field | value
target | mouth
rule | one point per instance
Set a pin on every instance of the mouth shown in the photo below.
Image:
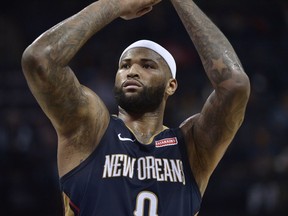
(129, 84)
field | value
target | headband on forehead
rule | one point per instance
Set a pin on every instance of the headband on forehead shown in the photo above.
(158, 49)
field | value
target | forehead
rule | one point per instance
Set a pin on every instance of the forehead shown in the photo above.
(142, 53)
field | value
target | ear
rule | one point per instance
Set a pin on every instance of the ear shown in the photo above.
(171, 86)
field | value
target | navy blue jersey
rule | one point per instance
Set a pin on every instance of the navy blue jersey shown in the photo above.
(124, 177)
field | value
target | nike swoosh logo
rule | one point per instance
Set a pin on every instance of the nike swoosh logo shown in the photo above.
(124, 138)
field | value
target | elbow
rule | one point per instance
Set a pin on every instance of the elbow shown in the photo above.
(237, 86)
(242, 86)
(34, 60)
(245, 84)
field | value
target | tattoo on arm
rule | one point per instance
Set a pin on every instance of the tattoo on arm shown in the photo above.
(64, 96)
(215, 51)
(57, 88)
(70, 35)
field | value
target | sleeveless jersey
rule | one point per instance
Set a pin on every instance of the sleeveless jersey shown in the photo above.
(123, 177)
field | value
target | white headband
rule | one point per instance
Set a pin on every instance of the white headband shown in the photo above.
(165, 54)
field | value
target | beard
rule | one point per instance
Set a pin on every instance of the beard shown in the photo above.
(148, 100)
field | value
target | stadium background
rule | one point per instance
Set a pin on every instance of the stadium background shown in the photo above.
(252, 178)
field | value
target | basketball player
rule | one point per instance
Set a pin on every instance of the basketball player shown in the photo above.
(131, 164)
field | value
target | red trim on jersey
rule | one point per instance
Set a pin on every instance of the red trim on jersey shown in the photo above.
(74, 207)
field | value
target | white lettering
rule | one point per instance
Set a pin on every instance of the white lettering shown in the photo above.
(141, 168)
(108, 166)
(160, 169)
(117, 165)
(150, 167)
(177, 170)
(167, 171)
(128, 166)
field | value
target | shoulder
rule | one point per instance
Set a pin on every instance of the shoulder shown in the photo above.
(76, 145)
(187, 125)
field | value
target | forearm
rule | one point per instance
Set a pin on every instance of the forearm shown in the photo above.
(45, 64)
(217, 55)
(64, 40)
(223, 112)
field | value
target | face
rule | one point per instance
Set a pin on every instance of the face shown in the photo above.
(141, 80)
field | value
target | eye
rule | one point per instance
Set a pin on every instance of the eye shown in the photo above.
(125, 66)
(148, 66)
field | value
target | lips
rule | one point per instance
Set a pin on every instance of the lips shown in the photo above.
(131, 83)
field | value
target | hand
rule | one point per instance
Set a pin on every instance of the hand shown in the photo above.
(136, 8)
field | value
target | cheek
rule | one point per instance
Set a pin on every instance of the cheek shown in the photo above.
(157, 80)
(116, 81)
(119, 79)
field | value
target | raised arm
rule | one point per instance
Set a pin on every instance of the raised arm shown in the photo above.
(78, 115)
(210, 132)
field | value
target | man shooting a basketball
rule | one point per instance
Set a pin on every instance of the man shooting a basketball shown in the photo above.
(131, 164)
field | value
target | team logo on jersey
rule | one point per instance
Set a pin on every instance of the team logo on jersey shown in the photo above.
(124, 138)
(144, 168)
(166, 142)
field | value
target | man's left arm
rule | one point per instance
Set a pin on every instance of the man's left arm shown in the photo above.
(210, 132)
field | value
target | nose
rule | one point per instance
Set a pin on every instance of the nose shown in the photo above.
(134, 71)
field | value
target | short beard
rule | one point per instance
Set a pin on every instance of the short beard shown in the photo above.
(145, 101)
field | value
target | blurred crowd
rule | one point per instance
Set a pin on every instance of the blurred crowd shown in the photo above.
(251, 179)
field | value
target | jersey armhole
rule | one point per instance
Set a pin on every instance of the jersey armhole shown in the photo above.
(195, 186)
(87, 160)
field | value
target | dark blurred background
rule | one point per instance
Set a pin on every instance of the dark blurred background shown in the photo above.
(251, 179)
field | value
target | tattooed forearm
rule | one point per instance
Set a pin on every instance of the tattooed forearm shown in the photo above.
(222, 114)
(65, 39)
(216, 53)
(45, 63)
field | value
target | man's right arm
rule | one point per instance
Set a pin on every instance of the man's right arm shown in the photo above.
(45, 65)
(78, 115)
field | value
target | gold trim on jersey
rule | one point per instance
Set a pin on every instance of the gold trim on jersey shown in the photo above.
(151, 138)
(67, 207)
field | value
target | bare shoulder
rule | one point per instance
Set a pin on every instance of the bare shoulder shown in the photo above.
(209, 133)
(199, 149)
(76, 145)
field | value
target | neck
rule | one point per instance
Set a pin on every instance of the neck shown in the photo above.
(144, 126)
